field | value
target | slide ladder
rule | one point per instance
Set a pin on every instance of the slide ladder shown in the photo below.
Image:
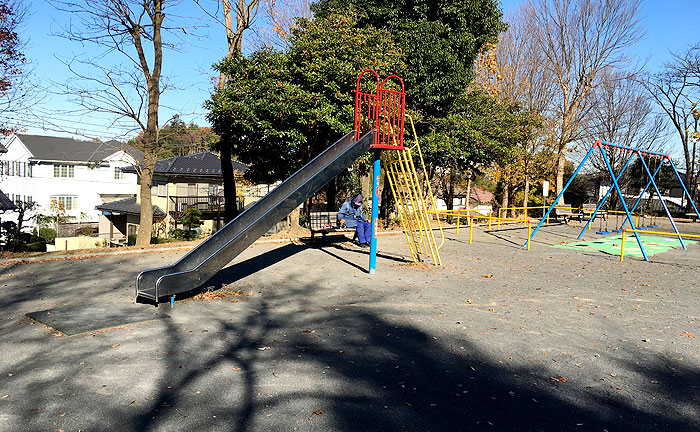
(411, 202)
(201, 263)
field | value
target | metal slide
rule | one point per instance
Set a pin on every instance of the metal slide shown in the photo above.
(210, 256)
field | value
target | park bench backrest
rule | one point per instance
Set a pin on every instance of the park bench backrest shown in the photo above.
(319, 220)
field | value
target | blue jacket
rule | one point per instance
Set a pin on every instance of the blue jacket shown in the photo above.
(350, 214)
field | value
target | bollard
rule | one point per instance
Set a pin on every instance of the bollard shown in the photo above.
(529, 233)
(622, 246)
(457, 223)
(471, 228)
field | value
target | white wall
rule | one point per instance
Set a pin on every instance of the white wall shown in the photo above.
(87, 184)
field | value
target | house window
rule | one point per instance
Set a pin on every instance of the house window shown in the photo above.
(119, 174)
(68, 203)
(162, 190)
(63, 170)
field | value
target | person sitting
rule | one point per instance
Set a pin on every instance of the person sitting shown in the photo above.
(350, 215)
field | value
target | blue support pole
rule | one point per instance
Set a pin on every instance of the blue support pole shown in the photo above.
(376, 172)
(607, 194)
(634, 207)
(668, 213)
(624, 204)
(556, 200)
(684, 188)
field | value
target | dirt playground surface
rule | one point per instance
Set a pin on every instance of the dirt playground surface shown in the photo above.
(303, 338)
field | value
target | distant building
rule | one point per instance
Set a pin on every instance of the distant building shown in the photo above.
(179, 183)
(78, 175)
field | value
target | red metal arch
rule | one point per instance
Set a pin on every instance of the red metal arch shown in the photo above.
(382, 111)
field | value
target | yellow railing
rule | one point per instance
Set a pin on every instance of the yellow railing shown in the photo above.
(458, 215)
(671, 234)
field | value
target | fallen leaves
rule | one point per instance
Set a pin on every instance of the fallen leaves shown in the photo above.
(488, 276)
(318, 412)
(6, 396)
(690, 335)
(222, 294)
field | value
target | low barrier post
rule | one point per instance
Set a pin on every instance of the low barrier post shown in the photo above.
(529, 232)
(458, 223)
(622, 246)
(471, 228)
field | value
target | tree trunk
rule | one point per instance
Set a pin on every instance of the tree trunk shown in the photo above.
(331, 194)
(511, 199)
(150, 135)
(385, 204)
(526, 194)
(293, 219)
(561, 165)
(505, 194)
(143, 237)
(467, 204)
(230, 193)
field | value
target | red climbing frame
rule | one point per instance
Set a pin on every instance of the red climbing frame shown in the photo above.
(382, 111)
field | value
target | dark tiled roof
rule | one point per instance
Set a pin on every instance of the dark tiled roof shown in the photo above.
(202, 164)
(128, 206)
(6, 203)
(68, 149)
(3, 149)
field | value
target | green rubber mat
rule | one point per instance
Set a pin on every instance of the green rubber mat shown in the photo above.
(611, 244)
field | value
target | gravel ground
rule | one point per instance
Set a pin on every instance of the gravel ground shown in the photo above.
(499, 338)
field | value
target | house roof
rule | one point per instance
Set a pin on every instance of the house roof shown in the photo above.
(5, 203)
(68, 149)
(128, 206)
(201, 164)
(480, 195)
(3, 149)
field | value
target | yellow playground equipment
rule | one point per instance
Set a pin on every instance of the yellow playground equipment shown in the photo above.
(411, 204)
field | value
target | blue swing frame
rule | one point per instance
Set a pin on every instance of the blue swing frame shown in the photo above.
(602, 146)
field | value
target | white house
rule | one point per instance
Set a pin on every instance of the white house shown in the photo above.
(78, 174)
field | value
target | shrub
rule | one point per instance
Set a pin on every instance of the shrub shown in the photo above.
(47, 234)
(131, 240)
(85, 231)
(38, 246)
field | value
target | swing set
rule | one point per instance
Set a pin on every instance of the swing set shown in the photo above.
(628, 211)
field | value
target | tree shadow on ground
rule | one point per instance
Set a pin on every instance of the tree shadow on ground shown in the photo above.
(365, 368)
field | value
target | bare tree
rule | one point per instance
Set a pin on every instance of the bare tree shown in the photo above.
(622, 114)
(676, 90)
(133, 29)
(281, 16)
(580, 38)
(513, 71)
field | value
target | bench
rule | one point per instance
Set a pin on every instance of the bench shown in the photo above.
(692, 216)
(588, 209)
(326, 222)
(566, 212)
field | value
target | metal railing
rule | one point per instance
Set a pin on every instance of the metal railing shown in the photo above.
(203, 203)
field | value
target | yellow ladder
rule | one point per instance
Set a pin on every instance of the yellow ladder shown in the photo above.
(411, 204)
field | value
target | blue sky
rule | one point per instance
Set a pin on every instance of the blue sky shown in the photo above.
(670, 26)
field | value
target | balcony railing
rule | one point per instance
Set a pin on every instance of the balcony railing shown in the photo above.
(203, 203)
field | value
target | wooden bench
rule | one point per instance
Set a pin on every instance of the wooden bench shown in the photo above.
(692, 216)
(566, 212)
(326, 222)
(588, 209)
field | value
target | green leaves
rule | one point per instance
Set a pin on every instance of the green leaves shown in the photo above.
(280, 109)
